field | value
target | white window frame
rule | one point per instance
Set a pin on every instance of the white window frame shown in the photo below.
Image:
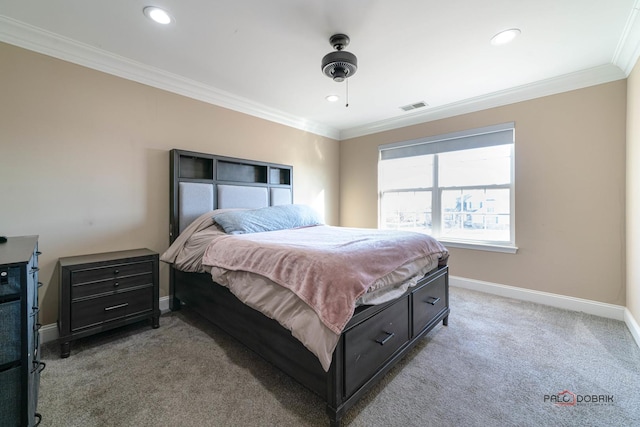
(501, 134)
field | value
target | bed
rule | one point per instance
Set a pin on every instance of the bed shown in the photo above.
(339, 358)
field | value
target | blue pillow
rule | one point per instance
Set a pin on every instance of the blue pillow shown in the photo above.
(267, 219)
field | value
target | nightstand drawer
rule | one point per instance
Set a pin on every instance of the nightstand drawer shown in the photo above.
(109, 286)
(92, 312)
(110, 272)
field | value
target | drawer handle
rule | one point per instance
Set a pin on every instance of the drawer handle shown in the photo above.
(384, 340)
(35, 311)
(116, 271)
(38, 253)
(115, 307)
(40, 284)
(34, 269)
(115, 285)
(432, 300)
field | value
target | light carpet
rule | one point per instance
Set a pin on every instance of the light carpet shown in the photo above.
(498, 363)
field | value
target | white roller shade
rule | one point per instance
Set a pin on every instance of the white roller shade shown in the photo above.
(475, 138)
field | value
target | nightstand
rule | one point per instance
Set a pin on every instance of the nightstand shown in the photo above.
(103, 291)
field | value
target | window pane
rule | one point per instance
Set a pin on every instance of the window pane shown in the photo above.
(409, 172)
(479, 166)
(466, 179)
(406, 210)
(476, 214)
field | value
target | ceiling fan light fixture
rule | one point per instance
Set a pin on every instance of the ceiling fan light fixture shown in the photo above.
(158, 15)
(504, 37)
(339, 65)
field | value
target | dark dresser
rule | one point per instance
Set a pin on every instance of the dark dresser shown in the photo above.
(103, 291)
(20, 364)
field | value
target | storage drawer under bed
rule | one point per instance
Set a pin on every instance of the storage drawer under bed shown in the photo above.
(428, 301)
(369, 344)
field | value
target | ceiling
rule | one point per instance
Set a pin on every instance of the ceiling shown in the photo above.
(263, 57)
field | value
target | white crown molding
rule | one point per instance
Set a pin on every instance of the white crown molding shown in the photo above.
(41, 41)
(623, 61)
(628, 50)
(38, 40)
(578, 80)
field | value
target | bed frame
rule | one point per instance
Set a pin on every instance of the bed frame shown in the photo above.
(373, 341)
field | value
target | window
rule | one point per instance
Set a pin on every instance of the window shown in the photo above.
(457, 187)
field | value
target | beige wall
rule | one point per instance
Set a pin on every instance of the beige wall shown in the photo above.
(633, 192)
(570, 192)
(84, 164)
(84, 159)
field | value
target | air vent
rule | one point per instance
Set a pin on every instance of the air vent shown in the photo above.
(414, 106)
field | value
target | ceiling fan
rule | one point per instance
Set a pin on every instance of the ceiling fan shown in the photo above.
(340, 64)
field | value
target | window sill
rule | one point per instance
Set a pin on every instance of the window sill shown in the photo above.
(480, 246)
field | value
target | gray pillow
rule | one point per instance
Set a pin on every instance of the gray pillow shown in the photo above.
(267, 219)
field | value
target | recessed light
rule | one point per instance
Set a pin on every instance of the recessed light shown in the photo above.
(158, 15)
(504, 37)
(332, 98)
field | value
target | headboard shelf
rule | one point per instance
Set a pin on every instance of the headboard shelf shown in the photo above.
(279, 176)
(195, 167)
(203, 182)
(241, 172)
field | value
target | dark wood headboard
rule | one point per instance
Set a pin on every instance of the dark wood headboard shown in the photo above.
(219, 173)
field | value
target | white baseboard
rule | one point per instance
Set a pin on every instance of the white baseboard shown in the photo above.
(49, 333)
(633, 326)
(610, 311)
(164, 304)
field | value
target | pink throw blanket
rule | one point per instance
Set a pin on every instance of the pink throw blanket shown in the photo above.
(328, 268)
